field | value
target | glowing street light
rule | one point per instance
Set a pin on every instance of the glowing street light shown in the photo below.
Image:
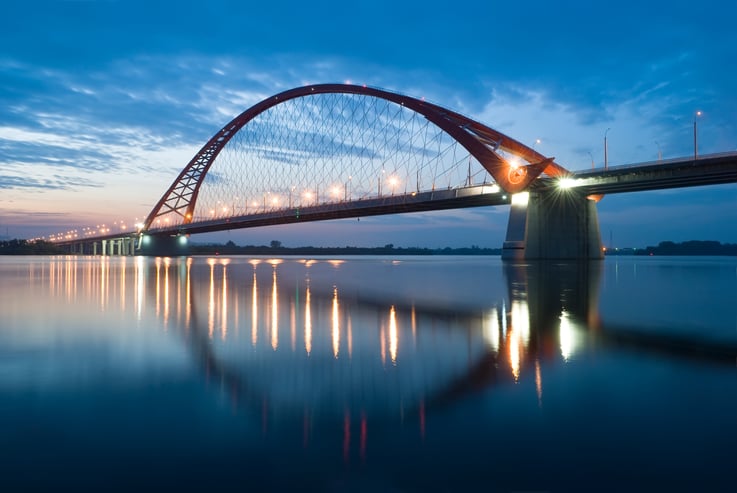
(393, 182)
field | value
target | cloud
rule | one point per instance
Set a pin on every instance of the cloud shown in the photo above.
(108, 102)
(51, 182)
(570, 134)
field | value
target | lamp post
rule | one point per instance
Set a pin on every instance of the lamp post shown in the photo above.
(592, 159)
(660, 154)
(696, 136)
(606, 151)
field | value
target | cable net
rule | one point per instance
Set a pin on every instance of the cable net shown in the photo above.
(327, 148)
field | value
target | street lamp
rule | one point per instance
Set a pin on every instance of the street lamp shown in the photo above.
(695, 135)
(393, 182)
(537, 141)
(660, 154)
(606, 151)
(592, 159)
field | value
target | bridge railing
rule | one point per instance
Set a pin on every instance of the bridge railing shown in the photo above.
(658, 162)
(439, 198)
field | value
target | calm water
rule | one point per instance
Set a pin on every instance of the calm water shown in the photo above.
(367, 374)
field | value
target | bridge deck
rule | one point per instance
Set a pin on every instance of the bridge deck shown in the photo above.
(473, 196)
(676, 173)
(715, 169)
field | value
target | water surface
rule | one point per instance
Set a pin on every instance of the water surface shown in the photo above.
(367, 374)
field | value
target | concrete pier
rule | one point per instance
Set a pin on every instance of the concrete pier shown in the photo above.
(555, 224)
(164, 245)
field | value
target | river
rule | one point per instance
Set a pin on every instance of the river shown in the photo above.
(367, 374)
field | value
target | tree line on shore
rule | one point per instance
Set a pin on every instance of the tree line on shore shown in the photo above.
(276, 247)
(664, 248)
(692, 247)
(26, 247)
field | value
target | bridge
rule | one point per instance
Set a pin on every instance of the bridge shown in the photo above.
(332, 151)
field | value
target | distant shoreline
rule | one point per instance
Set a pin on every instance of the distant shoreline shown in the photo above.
(664, 248)
(276, 248)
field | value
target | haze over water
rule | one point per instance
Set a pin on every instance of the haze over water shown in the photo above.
(368, 374)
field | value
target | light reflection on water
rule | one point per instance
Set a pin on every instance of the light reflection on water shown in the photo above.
(443, 362)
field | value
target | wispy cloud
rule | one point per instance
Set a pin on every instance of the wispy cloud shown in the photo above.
(105, 102)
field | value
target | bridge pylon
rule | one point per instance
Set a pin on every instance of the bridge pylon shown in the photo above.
(553, 224)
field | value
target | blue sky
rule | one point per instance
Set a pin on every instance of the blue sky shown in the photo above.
(103, 102)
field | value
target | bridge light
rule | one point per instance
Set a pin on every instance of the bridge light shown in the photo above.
(182, 240)
(565, 183)
(521, 198)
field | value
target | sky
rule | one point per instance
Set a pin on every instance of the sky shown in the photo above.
(103, 102)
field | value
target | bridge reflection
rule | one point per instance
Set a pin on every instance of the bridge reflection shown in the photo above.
(309, 347)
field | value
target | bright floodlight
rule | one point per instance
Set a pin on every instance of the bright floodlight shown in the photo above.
(566, 183)
(520, 198)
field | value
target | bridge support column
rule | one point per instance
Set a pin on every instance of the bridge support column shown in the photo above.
(555, 224)
(164, 245)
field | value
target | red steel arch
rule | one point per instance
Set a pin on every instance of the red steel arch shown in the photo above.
(479, 140)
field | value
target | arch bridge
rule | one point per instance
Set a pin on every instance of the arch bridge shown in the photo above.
(332, 151)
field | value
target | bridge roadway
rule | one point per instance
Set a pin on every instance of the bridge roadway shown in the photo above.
(439, 199)
(712, 169)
